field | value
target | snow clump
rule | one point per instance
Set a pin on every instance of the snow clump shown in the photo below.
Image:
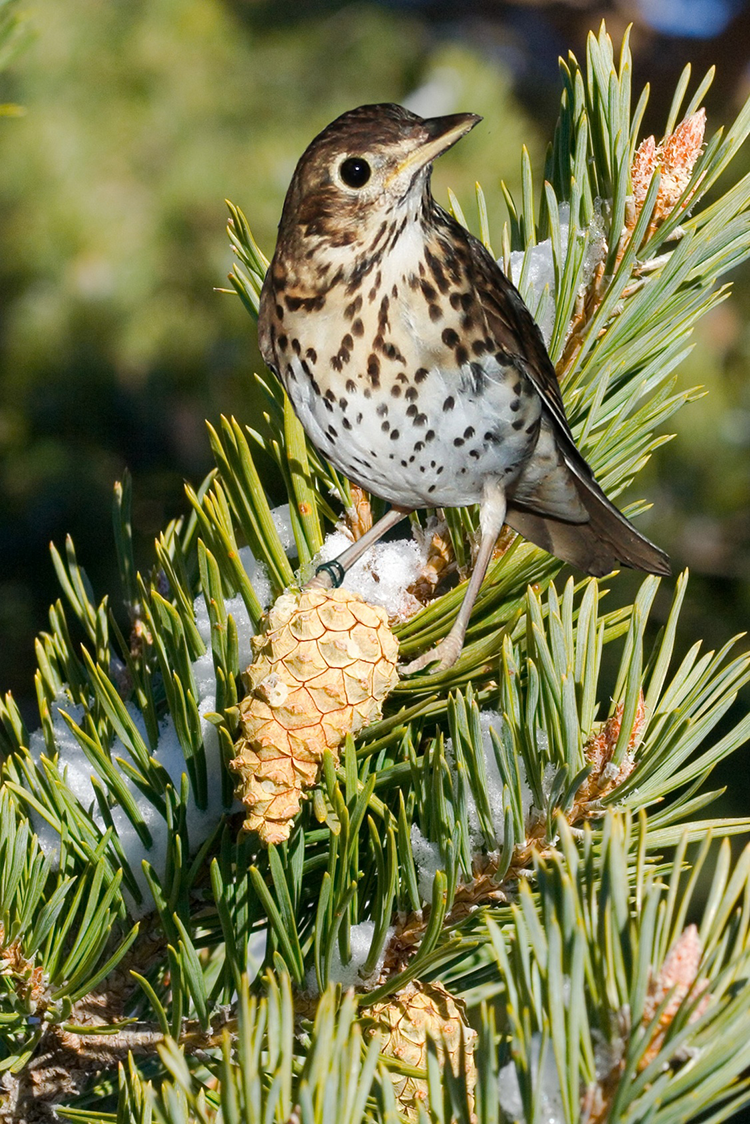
(384, 574)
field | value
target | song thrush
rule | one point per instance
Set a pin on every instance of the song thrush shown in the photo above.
(412, 361)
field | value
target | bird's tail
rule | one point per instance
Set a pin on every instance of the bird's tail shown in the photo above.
(606, 541)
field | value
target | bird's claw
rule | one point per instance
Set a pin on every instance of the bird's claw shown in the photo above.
(444, 655)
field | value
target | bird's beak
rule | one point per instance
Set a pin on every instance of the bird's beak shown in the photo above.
(441, 134)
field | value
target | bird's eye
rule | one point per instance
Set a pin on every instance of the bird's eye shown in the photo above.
(355, 172)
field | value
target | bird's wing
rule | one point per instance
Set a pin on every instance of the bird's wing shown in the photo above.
(515, 331)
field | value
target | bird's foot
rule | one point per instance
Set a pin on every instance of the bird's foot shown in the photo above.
(443, 656)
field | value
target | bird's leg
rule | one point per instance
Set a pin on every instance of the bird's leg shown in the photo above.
(447, 651)
(332, 573)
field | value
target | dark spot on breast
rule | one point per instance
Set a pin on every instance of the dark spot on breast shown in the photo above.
(437, 271)
(283, 343)
(381, 231)
(474, 453)
(394, 292)
(420, 374)
(307, 304)
(280, 311)
(436, 312)
(401, 377)
(411, 394)
(358, 328)
(312, 354)
(440, 468)
(330, 396)
(419, 447)
(429, 292)
(347, 342)
(462, 355)
(395, 391)
(392, 352)
(328, 405)
(449, 403)
(469, 432)
(431, 488)
(412, 411)
(385, 426)
(383, 311)
(450, 337)
(515, 405)
(351, 386)
(455, 299)
(518, 423)
(346, 423)
(382, 410)
(291, 373)
(420, 420)
(517, 388)
(359, 419)
(332, 431)
(502, 358)
(458, 442)
(534, 426)
(429, 435)
(479, 347)
(353, 308)
(394, 435)
(373, 365)
(343, 403)
(467, 322)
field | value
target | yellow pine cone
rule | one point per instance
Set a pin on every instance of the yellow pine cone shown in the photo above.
(405, 1020)
(322, 668)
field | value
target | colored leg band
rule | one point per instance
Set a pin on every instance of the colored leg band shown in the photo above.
(335, 571)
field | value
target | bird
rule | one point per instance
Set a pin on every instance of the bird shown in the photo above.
(413, 363)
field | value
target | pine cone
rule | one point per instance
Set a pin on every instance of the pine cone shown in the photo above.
(405, 1021)
(322, 669)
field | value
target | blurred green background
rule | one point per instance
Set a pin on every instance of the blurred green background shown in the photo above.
(140, 117)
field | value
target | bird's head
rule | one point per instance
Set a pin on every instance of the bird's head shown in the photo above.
(368, 170)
